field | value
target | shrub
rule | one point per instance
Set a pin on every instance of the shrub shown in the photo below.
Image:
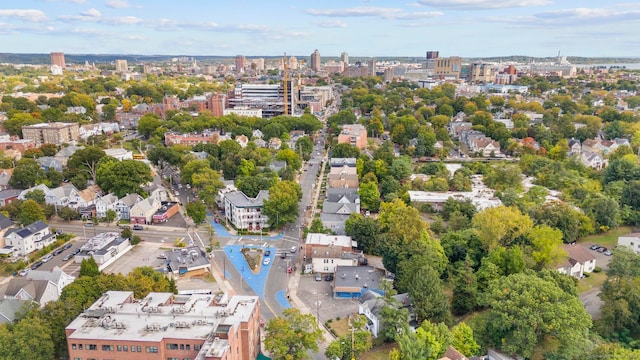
(597, 269)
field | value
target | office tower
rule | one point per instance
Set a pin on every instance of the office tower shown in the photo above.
(344, 57)
(259, 64)
(450, 66)
(315, 60)
(241, 63)
(57, 58)
(121, 65)
(293, 63)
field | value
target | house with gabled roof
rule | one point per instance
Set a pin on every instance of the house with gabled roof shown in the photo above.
(39, 286)
(9, 309)
(123, 205)
(242, 140)
(104, 204)
(245, 212)
(579, 261)
(142, 212)
(26, 240)
(66, 152)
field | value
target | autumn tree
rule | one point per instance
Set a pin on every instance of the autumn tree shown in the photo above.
(501, 225)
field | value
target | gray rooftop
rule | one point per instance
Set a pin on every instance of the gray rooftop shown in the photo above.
(239, 199)
(364, 277)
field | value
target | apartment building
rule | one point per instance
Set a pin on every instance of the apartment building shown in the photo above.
(57, 59)
(315, 61)
(52, 133)
(167, 326)
(450, 66)
(354, 134)
(245, 212)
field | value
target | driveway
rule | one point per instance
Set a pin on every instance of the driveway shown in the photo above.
(318, 297)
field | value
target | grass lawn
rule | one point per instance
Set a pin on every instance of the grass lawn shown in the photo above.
(609, 238)
(378, 352)
(593, 281)
(341, 327)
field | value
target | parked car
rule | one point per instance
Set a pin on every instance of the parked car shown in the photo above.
(58, 251)
(608, 253)
(267, 253)
(138, 227)
(594, 247)
(76, 251)
(294, 249)
(67, 246)
(283, 255)
(601, 249)
(88, 224)
(68, 257)
(266, 261)
(328, 277)
(47, 258)
(124, 227)
(23, 272)
(318, 277)
(36, 265)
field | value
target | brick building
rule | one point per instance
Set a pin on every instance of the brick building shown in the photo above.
(166, 326)
(355, 135)
(191, 139)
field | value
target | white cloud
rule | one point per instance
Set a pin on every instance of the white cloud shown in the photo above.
(573, 17)
(24, 14)
(332, 24)
(71, 1)
(353, 12)
(482, 4)
(419, 15)
(117, 4)
(92, 13)
(115, 20)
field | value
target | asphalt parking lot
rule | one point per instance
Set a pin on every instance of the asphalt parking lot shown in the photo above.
(311, 291)
(143, 254)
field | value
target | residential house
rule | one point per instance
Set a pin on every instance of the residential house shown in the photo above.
(244, 212)
(485, 146)
(49, 198)
(453, 354)
(631, 241)
(342, 178)
(158, 192)
(7, 196)
(260, 143)
(66, 152)
(371, 303)
(257, 134)
(50, 162)
(88, 196)
(579, 261)
(10, 308)
(243, 140)
(592, 159)
(327, 251)
(342, 162)
(5, 225)
(104, 204)
(575, 147)
(39, 286)
(65, 195)
(339, 204)
(229, 186)
(142, 212)
(123, 206)
(275, 143)
(5, 176)
(30, 238)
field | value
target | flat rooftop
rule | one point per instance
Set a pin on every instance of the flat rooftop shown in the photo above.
(330, 240)
(117, 316)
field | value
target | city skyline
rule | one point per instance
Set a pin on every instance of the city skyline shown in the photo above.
(469, 28)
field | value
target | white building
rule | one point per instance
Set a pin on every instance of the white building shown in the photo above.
(631, 241)
(104, 204)
(244, 212)
(30, 238)
(580, 261)
(119, 153)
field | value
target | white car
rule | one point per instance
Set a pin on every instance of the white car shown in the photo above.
(294, 249)
(266, 261)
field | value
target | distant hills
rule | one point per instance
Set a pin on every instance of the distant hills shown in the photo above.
(14, 58)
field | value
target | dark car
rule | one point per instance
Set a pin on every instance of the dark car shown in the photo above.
(67, 257)
(138, 227)
(58, 251)
(602, 249)
(76, 251)
(124, 227)
(67, 246)
(328, 277)
(36, 265)
(267, 253)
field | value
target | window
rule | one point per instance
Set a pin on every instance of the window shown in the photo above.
(152, 349)
(92, 347)
(77, 358)
(79, 346)
(172, 346)
(196, 347)
(73, 346)
(133, 348)
(119, 347)
(107, 347)
(186, 359)
(173, 359)
(188, 347)
(181, 346)
(125, 348)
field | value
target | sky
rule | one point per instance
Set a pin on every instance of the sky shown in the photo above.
(467, 28)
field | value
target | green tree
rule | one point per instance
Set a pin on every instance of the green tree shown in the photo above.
(282, 205)
(353, 345)
(122, 177)
(148, 124)
(291, 157)
(344, 150)
(501, 225)
(89, 267)
(68, 213)
(197, 211)
(26, 174)
(111, 215)
(526, 310)
(207, 182)
(28, 340)
(463, 340)
(546, 244)
(427, 295)
(366, 231)
(36, 195)
(30, 212)
(369, 196)
(292, 335)
(86, 161)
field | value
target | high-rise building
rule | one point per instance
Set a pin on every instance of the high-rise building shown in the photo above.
(121, 65)
(344, 57)
(259, 64)
(216, 104)
(433, 55)
(57, 58)
(167, 326)
(56, 133)
(293, 63)
(315, 60)
(241, 63)
(450, 66)
(371, 67)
